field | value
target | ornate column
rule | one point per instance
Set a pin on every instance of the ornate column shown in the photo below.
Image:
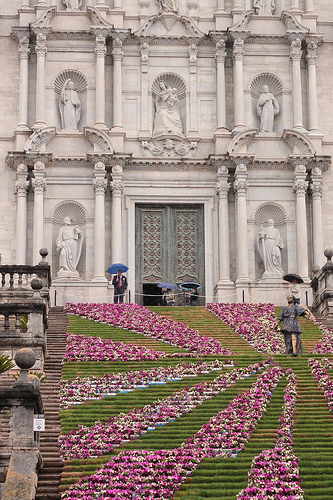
(295, 56)
(193, 55)
(117, 188)
(312, 87)
(220, 5)
(21, 188)
(309, 7)
(238, 55)
(39, 187)
(144, 49)
(220, 57)
(317, 217)
(300, 187)
(240, 186)
(294, 6)
(41, 52)
(237, 6)
(23, 92)
(117, 54)
(100, 51)
(99, 186)
(222, 188)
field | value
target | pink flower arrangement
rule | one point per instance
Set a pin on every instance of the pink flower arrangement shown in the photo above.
(325, 346)
(79, 390)
(254, 323)
(158, 474)
(319, 370)
(142, 320)
(275, 473)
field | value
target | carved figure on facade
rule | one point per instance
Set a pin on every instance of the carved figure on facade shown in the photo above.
(169, 147)
(264, 7)
(72, 4)
(69, 107)
(69, 246)
(167, 119)
(167, 6)
(267, 109)
(270, 246)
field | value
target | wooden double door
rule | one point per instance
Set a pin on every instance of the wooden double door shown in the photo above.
(169, 248)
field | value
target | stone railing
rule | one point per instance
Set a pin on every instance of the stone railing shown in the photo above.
(13, 336)
(19, 450)
(322, 286)
(16, 279)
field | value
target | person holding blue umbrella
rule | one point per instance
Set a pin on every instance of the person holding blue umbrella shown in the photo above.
(119, 281)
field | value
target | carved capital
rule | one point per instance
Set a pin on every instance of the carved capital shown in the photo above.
(300, 186)
(100, 185)
(238, 52)
(317, 190)
(100, 46)
(144, 49)
(311, 56)
(39, 185)
(221, 52)
(23, 48)
(296, 50)
(241, 187)
(222, 188)
(117, 54)
(193, 54)
(40, 48)
(21, 187)
(117, 188)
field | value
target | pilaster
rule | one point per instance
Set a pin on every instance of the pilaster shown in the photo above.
(21, 188)
(241, 186)
(222, 189)
(39, 187)
(117, 188)
(99, 186)
(295, 57)
(238, 55)
(300, 187)
(317, 216)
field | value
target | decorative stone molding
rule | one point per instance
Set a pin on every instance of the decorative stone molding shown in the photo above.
(274, 83)
(188, 22)
(243, 22)
(71, 209)
(42, 25)
(169, 147)
(21, 187)
(299, 140)
(97, 19)
(294, 29)
(241, 187)
(240, 140)
(317, 183)
(311, 56)
(270, 211)
(144, 51)
(78, 78)
(39, 137)
(300, 185)
(99, 167)
(98, 137)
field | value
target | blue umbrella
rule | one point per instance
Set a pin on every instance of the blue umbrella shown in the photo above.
(114, 268)
(187, 285)
(168, 286)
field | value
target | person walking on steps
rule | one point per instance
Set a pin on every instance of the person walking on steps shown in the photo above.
(291, 328)
(120, 285)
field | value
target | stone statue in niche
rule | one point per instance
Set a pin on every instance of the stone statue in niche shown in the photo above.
(167, 119)
(267, 108)
(270, 246)
(264, 7)
(72, 4)
(167, 6)
(69, 246)
(69, 107)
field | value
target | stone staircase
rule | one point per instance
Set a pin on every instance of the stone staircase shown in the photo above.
(49, 476)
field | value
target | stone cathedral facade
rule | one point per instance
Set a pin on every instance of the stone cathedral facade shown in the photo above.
(188, 139)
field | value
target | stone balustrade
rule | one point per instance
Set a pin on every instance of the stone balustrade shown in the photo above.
(20, 457)
(322, 286)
